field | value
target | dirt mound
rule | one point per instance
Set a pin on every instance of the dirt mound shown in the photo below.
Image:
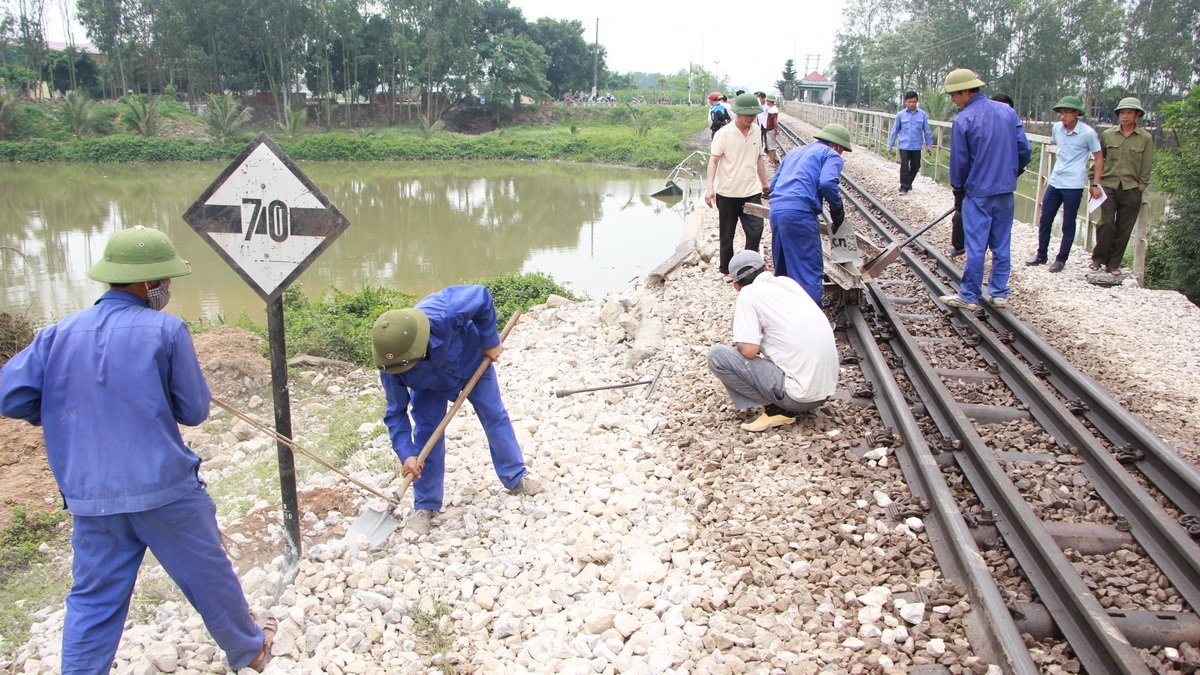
(233, 362)
(25, 478)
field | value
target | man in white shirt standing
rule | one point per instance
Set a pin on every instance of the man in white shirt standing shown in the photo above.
(736, 176)
(783, 354)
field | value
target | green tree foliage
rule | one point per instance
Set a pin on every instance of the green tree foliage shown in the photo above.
(1171, 260)
(571, 58)
(78, 113)
(788, 81)
(515, 65)
(1033, 50)
(224, 117)
(143, 116)
(70, 70)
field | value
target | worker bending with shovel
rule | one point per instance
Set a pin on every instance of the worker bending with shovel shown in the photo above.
(426, 355)
(783, 355)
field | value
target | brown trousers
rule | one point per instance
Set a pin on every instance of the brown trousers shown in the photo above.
(1118, 215)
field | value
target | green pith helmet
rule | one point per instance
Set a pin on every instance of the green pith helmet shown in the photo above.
(770, 99)
(746, 104)
(961, 80)
(1071, 102)
(399, 339)
(835, 133)
(1130, 103)
(138, 254)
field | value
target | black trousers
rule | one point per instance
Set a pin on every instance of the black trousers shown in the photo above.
(910, 166)
(729, 211)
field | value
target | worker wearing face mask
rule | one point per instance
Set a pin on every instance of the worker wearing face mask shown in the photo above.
(110, 385)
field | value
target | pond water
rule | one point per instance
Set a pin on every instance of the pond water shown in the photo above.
(415, 226)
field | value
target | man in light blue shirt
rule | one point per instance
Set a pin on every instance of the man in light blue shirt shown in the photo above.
(1075, 141)
(912, 129)
(988, 151)
(110, 386)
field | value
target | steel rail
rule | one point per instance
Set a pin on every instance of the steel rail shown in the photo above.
(1165, 542)
(1178, 479)
(1164, 539)
(955, 547)
(1098, 643)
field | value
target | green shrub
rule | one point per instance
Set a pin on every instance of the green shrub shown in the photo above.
(517, 292)
(125, 148)
(16, 332)
(338, 324)
(19, 542)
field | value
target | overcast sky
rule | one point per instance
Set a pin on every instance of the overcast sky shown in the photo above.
(747, 41)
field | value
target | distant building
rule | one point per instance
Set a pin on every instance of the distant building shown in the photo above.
(815, 88)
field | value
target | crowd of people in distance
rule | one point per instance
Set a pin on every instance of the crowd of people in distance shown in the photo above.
(784, 366)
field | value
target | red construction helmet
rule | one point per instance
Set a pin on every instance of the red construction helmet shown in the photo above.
(714, 96)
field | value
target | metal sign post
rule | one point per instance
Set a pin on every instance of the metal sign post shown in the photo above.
(268, 221)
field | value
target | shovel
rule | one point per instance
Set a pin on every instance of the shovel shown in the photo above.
(377, 525)
(889, 255)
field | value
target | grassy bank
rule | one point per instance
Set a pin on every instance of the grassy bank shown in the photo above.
(651, 136)
(338, 324)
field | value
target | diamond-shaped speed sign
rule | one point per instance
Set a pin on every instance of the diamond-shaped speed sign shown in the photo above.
(266, 218)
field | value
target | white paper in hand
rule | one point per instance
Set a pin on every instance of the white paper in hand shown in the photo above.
(1094, 204)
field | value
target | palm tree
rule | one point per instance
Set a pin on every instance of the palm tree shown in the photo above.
(142, 115)
(78, 112)
(224, 117)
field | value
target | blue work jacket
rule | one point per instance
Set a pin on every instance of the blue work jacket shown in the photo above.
(805, 177)
(988, 148)
(110, 386)
(912, 128)
(462, 323)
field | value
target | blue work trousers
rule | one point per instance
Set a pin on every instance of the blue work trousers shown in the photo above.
(987, 224)
(796, 249)
(183, 536)
(428, 408)
(1069, 201)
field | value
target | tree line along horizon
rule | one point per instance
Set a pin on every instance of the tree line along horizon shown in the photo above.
(347, 49)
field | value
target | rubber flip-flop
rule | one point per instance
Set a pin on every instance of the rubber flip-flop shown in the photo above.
(269, 628)
(1095, 267)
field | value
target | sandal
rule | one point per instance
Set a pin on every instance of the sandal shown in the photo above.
(1094, 266)
(269, 628)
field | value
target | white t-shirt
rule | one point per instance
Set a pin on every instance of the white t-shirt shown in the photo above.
(790, 330)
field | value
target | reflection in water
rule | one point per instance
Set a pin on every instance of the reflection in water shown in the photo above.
(416, 226)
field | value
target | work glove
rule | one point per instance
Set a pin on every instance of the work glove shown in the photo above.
(959, 195)
(837, 217)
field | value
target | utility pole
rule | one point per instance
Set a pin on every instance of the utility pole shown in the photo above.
(596, 61)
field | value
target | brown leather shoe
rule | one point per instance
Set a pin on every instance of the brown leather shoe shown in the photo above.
(269, 628)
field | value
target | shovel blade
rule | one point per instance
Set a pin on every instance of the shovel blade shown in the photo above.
(372, 525)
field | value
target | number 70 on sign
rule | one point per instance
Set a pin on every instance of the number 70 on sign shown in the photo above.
(275, 220)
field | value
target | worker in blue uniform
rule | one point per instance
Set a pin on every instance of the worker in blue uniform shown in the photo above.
(805, 178)
(425, 355)
(988, 151)
(110, 385)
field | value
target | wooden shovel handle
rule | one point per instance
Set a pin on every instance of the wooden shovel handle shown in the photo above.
(466, 391)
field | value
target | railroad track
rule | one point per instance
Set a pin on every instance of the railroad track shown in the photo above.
(1062, 515)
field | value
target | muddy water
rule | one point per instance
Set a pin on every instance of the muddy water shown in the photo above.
(416, 226)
